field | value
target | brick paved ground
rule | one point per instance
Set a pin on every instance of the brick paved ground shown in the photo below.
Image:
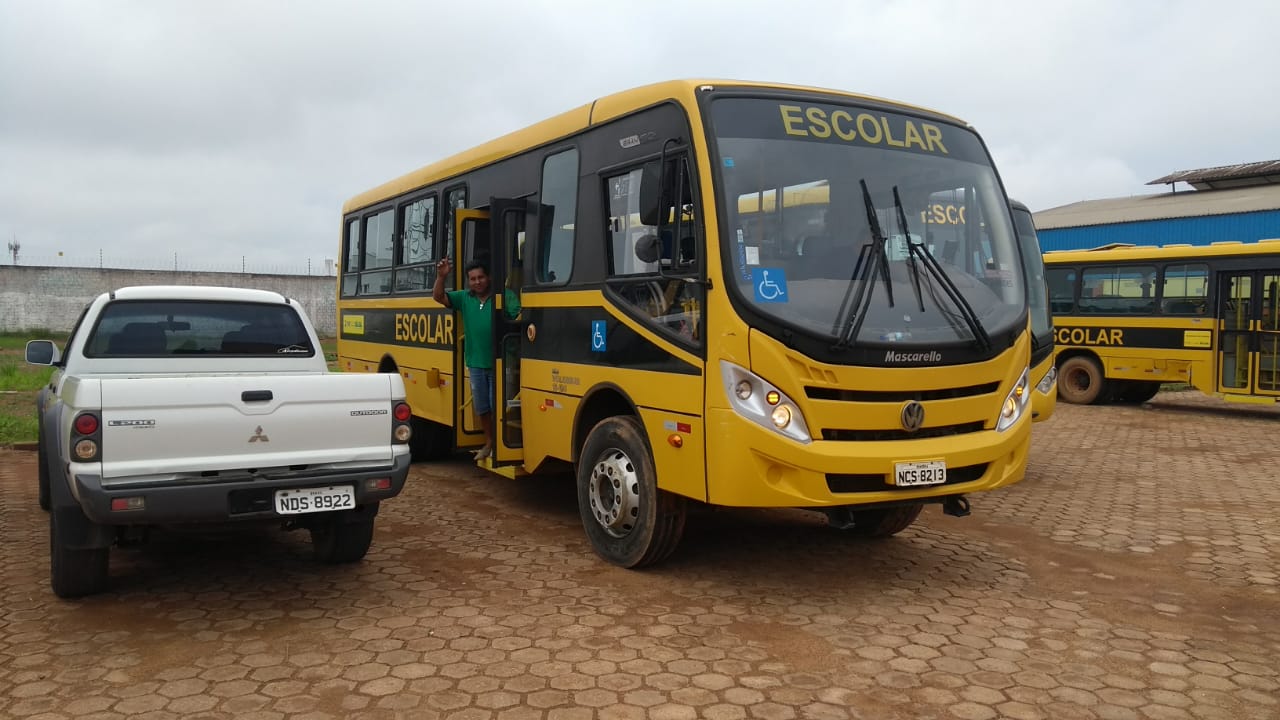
(1133, 575)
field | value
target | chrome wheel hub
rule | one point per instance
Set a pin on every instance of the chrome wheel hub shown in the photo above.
(614, 492)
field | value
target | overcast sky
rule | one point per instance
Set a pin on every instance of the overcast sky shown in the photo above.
(228, 132)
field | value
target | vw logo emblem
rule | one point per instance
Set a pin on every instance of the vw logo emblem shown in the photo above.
(912, 416)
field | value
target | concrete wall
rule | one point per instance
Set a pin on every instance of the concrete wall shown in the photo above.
(51, 298)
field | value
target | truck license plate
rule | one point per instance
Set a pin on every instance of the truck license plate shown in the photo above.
(308, 500)
(929, 472)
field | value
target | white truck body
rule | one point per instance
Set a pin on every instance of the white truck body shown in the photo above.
(208, 405)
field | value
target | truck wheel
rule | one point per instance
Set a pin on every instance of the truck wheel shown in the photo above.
(42, 474)
(1137, 392)
(878, 522)
(629, 521)
(74, 572)
(1080, 380)
(430, 440)
(339, 539)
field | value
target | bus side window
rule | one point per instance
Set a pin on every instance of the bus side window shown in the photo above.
(1062, 289)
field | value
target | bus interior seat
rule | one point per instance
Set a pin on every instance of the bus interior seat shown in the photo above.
(688, 253)
(138, 338)
(1181, 307)
(818, 257)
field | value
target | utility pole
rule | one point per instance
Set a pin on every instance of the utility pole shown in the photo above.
(14, 247)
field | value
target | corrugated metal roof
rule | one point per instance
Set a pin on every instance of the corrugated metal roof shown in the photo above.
(1192, 203)
(1222, 172)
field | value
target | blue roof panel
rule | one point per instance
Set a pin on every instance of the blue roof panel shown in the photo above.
(1246, 227)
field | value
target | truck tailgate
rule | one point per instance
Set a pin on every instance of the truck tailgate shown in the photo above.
(164, 425)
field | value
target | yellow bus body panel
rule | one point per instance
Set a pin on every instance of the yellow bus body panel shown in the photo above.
(757, 467)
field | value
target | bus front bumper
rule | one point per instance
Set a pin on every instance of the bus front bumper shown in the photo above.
(751, 466)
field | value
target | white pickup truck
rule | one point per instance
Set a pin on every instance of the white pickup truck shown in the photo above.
(199, 405)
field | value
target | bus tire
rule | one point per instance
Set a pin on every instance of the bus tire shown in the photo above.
(1137, 392)
(1080, 380)
(430, 440)
(628, 520)
(876, 522)
(74, 572)
(342, 538)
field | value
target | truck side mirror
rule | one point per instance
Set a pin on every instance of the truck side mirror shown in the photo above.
(42, 352)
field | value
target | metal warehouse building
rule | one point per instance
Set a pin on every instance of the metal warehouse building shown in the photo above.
(1234, 202)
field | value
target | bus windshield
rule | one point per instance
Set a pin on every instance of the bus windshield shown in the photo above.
(864, 226)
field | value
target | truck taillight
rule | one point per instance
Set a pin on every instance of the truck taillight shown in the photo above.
(86, 424)
(402, 412)
(86, 450)
(86, 435)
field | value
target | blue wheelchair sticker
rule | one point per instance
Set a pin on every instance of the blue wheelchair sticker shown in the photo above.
(770, 284)
(597, 336)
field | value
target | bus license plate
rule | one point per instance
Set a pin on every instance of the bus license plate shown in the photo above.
(930, 472)
(309, 500)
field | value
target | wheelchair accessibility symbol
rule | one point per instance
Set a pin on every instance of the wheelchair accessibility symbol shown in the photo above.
(770, 284)
(597, 336)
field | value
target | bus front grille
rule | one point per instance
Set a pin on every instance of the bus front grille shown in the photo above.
(865, 483)
(899, 396)
(899, 434)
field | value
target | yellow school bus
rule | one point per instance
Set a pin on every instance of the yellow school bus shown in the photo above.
(1044, 372)
(676, 346)
(1128, 318)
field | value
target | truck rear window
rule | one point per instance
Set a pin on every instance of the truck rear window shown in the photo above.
(140, 328)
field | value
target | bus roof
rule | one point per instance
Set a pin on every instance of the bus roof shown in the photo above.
(1118, 252)
(597, 112)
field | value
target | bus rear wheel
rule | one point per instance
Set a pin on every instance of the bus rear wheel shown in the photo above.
(430, 440)
(1137, 391)
(628, 520)
(1080, 380)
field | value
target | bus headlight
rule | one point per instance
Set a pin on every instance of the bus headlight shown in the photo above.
(1015, 403)
(759, 401)
(1046, 382)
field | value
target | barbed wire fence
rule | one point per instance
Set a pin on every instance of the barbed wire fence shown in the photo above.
(173, 262)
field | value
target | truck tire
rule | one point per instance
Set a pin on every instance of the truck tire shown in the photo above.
(628, 520)
(430, 440)
(877, 522)
(1080, 380)
(340, 538)
(42, 474)
(74, 573)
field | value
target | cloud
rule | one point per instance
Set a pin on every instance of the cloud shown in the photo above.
(230, 130)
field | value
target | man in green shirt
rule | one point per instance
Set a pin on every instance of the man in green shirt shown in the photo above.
(476, 308)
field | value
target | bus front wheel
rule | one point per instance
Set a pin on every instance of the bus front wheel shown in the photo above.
(1080, 380)
(628, 520)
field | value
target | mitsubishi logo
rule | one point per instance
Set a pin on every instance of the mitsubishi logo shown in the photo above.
(259, 437)
(912, 416)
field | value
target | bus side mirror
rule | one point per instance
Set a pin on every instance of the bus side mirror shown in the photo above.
(651, 190)
(648, 249)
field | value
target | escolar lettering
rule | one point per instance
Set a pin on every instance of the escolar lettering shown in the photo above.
(421, 328)
(865, 128)
(1088, 336)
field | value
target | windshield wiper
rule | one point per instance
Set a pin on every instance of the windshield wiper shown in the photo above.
(934, 269)
(873, 260)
